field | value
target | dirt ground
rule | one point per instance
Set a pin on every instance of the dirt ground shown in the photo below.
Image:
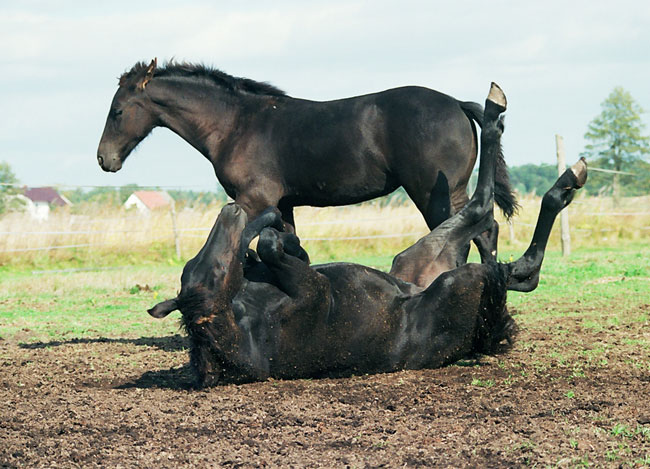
(565, 395)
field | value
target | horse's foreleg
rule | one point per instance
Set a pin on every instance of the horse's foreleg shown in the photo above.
(287, 217)
(283, 255)
(255, 202)
(524, 273)
(269, 217)
(258, 197)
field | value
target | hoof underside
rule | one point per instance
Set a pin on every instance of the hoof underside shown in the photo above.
(497, 95)
(580, 171)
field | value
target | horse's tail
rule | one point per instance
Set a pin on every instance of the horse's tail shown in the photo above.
(504, 194)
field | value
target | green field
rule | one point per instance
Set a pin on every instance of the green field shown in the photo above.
(40, 306)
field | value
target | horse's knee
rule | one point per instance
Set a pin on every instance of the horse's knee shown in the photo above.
(269, 245)
(479, 212)
(487, 243)
(291, 246)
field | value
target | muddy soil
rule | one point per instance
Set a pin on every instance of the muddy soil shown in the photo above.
(564, 395)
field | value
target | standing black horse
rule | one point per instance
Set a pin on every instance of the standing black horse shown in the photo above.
(269, 149)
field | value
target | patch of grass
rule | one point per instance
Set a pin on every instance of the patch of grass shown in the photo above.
(644, 343)
(510, 380)
(624, 431)
(643, 462)
(612, 455)
(62, 306)
(523, 447)
(578, 373)
(487, 383)
(644, 432)
(621, 430)
(582, 462)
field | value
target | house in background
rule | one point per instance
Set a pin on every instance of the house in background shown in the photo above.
(146, 201)
(39, 200)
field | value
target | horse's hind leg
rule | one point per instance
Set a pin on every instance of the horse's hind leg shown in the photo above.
(524, 272)
(438, 207)
(448, 243)
(486, 242)
(441, 205)
(420, 263)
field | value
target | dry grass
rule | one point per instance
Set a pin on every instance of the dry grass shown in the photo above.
(595, 221)
(102, 236)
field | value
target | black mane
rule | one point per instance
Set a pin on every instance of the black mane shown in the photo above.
(184, 69)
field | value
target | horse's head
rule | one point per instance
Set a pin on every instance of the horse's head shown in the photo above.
(129, 120)
(216, 271)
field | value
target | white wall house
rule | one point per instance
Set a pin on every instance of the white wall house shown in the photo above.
(146, 201)
(39, 200)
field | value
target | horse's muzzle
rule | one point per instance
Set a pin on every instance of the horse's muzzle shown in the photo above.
(109, 164)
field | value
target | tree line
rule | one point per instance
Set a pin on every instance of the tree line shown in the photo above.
(537, 178)
(118, 195)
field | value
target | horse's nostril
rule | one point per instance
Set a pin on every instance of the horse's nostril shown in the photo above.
(100, 160)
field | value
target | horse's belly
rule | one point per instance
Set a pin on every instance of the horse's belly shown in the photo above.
(341, 188)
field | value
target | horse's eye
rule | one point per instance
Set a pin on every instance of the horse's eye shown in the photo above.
(118, 112)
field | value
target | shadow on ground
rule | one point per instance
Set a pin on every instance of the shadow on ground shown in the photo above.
(171, 378)
(174, 343)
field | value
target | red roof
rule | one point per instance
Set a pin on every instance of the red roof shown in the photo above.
(45, 194)
(152, 199)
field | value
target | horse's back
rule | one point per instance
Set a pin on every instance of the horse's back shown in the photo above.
(349, 150)
(411, 130)
(426, 123)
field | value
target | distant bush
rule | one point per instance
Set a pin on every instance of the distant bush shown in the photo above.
(533, 178)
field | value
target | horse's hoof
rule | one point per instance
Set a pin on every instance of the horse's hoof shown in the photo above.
(497, 96)
(580, 171)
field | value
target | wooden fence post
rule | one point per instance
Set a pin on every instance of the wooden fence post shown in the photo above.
(177, 241)
(564, 215)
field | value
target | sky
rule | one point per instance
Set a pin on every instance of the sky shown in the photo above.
(60, 61)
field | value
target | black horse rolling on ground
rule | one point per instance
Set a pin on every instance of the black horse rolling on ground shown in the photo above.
(250, 317)
(269, 149)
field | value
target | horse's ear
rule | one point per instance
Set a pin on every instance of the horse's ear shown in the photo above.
(163, 309)
(148, 75)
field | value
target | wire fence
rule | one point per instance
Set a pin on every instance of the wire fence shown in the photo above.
(194, 232)
(330, 231)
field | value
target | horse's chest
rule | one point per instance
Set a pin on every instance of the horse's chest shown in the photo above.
(244, 169)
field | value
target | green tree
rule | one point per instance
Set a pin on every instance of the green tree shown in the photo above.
(615, 136)
(8, 188)
(104, 196)
(533, 178)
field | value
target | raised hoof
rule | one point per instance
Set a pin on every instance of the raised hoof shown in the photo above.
(580, 171)
(497, 96)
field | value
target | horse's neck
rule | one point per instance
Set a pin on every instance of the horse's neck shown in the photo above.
(202, 115)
